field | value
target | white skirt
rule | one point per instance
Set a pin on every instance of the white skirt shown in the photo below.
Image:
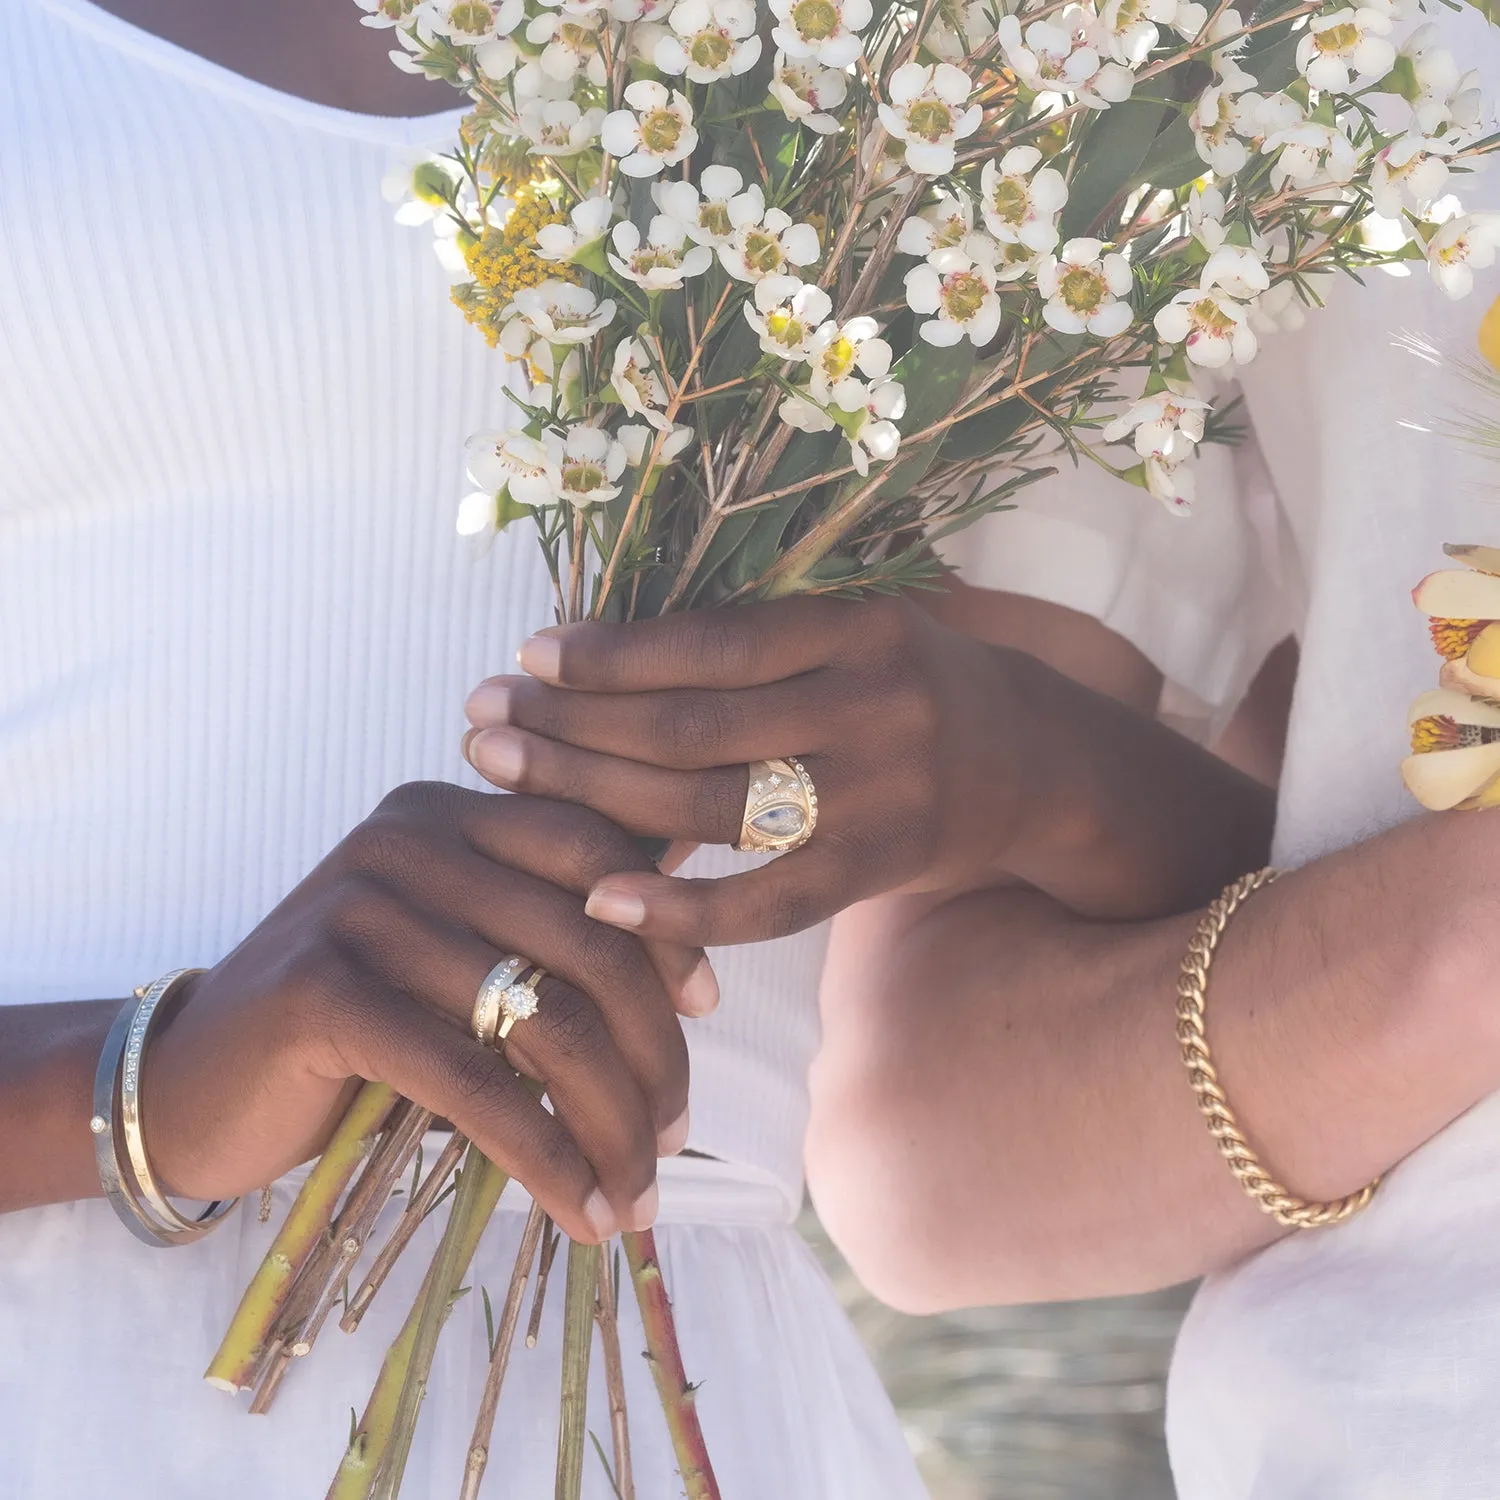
(103, 1342)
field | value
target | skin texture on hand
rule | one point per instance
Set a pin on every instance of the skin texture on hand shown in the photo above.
(369, 970)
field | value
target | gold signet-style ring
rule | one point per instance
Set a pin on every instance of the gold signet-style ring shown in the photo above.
(781, 808)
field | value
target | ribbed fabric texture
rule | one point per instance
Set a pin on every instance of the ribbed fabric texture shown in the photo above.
(233, 608)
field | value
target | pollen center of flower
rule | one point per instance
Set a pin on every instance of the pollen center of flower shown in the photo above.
(763, 252)
(817, 20)
(474, 17)
(710, 49)
(661, 129)
(1082, 289)
(576, 38)
(838, 359)
(1208, 317)
(963, 295)
(582, 476)
(1010, 200)
(1337, 39)
(930, 118)
(714, 218)
(396, 10)
(786, 328)
(653, 258)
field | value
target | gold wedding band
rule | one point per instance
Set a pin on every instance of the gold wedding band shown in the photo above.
(781, 808)
(506, 995)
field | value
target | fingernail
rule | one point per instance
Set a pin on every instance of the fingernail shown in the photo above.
(674, 1137)
(488, 704)
(643, 1211)
(700, 990)
(541, 656)
(498, 753)
(600, 1215)
(618, 908)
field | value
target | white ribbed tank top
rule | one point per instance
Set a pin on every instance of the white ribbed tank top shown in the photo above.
(233, 608)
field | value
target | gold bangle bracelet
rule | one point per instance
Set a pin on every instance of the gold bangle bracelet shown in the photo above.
(1286, 1208)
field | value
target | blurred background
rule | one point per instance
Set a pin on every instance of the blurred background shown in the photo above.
(1026, 1403)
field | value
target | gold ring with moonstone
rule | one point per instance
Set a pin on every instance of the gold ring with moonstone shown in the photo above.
(781, 808)
(506, 995)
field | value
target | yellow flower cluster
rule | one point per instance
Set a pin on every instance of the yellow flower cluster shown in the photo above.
(1454, 637)
(504, 261)
(1434, 732)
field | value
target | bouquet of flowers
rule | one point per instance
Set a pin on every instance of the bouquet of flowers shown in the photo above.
(793, 291)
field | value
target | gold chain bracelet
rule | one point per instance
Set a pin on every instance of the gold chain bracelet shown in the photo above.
(1192, 997)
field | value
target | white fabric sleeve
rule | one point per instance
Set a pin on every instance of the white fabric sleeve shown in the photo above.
(1204, 596)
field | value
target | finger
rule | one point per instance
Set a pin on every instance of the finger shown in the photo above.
(684, 729)
(566, 1046)
(717, 648)
(790, 894)
(704, 807)
(384, 1036)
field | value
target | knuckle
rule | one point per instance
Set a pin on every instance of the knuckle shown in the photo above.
(419, 798)
(611, 958)
(573, 1025)
(723, 645)
(389, 842)
(691, 727)
(717, 804)
(792, 909)
(472, 1078)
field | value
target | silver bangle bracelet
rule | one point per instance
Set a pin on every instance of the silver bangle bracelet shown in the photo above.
(128, 1181)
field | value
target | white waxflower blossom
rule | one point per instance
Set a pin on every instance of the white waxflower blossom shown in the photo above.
(709, 40)
(421, 186)
(1310, 155)
(639, 442)
(1447, 100)
(1211, 326)
(544, 372)
(940, 226)
(1164, 425)
(827, 31)
(384, 13)
(840, 354)
(588, 223)
(637, 384)
(787, 314)
(929, 110)
(588, 463)
(1237, 270)
(1344, 46)
(467, 23)
(960, 29)
(1279, 310)
(1132, 28)
(570, 46)
(656, 131)
(558, 127)
(807, 92)
(712, 210)
(500, 461)
(1056, 56)
(955, 291)
(1218, 121)
(645, 13)
(478, 516)
(797, 411)
(876, 439)
(1205, 211)
(1021, 199)
(1460, 247)
(663, 261)
(772, 247)
(1409, 174)
(562, 313)
(1172, 481)
(1085, 287)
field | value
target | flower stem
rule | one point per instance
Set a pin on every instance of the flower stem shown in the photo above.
(510, 1316)
(479, 1187)
(606, 1311)
(243, 1349)
(664, 1355)
(578, 1344)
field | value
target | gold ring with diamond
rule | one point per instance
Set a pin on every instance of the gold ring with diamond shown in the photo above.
(489, 1003)
(781, 808)
(519, 1001)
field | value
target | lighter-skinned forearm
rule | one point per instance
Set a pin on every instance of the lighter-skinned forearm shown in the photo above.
(47, 1058)
(1000, 1112)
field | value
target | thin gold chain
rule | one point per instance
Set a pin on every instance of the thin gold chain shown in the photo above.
(1192, 997)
